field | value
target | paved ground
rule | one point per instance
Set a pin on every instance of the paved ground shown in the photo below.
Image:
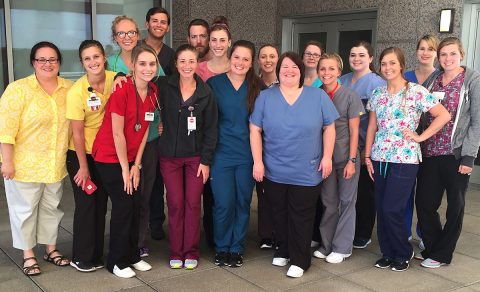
(257, 274)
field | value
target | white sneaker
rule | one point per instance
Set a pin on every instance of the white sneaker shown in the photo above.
(319, 255)
(142, 266)
(176, 264)
(123, 273)
(336, 258)
(280, 262)
(314, 243)
(190, 264)
(295, 271)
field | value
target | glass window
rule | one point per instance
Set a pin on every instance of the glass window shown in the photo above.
(64, 23)
(3, 52)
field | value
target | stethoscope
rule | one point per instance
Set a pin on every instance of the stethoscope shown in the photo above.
(138, 126)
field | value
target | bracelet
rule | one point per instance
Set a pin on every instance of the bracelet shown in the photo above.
(139, 166)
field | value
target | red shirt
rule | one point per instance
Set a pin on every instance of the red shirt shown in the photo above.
(124, 103)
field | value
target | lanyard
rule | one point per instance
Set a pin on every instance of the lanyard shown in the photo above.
(332, 93)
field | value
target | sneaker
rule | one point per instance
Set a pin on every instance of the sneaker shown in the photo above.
(144, 252)
(319, 254)
(314, 243)
(176, 264)
(83, 266)
(383, 263)
(295, 271)
(222, 259)
(98, 264)
(236, 260)
(400, 266)
(419, 256)
(142, 266)
(336, 258)
(123, 273)
(280, 262)
(190, 264)
(421, 245)
(429, 263)
(266, 243)
(361, 242)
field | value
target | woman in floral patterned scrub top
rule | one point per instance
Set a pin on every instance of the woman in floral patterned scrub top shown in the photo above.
(392, 159)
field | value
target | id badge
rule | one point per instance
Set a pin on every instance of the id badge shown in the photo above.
(439, 95)
(94, 103)
(149, 116)
(191, 123)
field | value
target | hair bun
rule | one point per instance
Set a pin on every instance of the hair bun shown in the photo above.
(220, 19)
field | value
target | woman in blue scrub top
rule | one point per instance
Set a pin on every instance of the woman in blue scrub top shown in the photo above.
(424, 74)
(292, 157)
(231, 171)
(363, 80)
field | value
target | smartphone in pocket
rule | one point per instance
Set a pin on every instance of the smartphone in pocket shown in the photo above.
(90, 187)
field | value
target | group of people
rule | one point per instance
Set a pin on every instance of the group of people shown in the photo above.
(327, 153)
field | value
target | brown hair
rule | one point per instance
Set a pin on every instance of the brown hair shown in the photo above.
(295, 59)
(313, 43)
(370, 51)
(155, 10)
(88, 44)
(398, 53)
(185, 47)
(117, 20)
(221, 23)
(143, 48)
(254, 82)
(332, 56)
(451, 41)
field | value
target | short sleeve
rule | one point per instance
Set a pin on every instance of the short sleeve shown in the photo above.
(256, 117)
(118, 101)
(356, 108)
(372, 102)
(425, 101)
(11, 107)
(75, 103)
(329, 112)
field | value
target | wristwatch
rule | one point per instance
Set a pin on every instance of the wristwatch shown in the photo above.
(139, 166)
(352, 159)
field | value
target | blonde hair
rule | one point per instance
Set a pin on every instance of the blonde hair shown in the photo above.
(332, 56)
(431, 40)
(143, 48)
(120, 18)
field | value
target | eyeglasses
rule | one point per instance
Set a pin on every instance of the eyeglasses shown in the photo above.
(122, 34)
(44, 61)
(311, 55)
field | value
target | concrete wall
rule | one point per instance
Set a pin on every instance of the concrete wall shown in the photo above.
(400, 22)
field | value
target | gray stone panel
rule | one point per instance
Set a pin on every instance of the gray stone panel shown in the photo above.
(180, 20)
(208, 9)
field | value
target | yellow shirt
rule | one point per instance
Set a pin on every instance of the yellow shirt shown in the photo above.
(34, 122)
(79, 110)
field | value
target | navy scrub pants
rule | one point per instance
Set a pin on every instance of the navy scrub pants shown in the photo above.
(232, 186)
(393, 186)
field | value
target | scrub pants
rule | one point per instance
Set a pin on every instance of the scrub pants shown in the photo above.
(338, 197)
(265, 216)
(232, 186)
(365, 206)
(436, 175)
(89, 215)
(393, 185)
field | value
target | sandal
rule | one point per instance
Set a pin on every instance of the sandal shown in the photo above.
(28, 270)
(56, 260)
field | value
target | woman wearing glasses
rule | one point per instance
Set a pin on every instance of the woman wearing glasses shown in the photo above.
(34, 140)
(125, 33)
(311, 56)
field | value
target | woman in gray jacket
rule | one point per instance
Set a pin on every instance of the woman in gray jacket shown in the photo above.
(448, 155)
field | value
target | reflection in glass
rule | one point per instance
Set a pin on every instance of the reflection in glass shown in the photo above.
(64, 23)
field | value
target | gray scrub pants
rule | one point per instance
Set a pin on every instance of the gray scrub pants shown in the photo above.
(337, 226)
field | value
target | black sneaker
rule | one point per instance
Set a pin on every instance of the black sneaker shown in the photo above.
(236, 260)
(98, 264)
(83, 266)
(361, 242)
(400, 266)
(383, 263)
(222, 259)
(266, 243)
